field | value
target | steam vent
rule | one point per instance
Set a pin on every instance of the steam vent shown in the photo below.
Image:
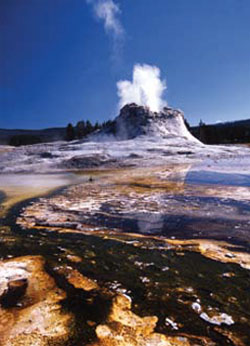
(134, 121)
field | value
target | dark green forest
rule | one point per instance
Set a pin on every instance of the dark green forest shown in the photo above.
(223, 133)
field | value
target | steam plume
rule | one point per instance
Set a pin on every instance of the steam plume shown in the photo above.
(109, 11)
(145, 89)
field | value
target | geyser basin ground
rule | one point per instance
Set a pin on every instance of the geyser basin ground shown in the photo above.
(122, 231)
(145, 241)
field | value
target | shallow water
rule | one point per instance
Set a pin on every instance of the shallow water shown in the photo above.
(162, 280)
(17, 187)
(217, 178)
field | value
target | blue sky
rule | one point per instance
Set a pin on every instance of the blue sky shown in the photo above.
(58, 64)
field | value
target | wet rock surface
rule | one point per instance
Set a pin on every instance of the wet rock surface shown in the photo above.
(124, 328)
(77, 279)
(38, 318)
(30, 312)
(148, 203)
(157, 276)
(14, 291)
(123, 234)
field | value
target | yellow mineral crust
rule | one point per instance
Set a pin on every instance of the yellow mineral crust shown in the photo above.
(75, 278)
(37, 318)
(124, 328)
(216, 250)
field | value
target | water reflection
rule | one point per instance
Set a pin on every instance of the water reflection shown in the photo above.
(15, 188)
(190, 293)
(217, 178)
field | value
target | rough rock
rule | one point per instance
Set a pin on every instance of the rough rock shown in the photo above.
(75, 278)
(124, 328)
(90, 161)
(134, 121)
(38, 319)
(14, 291)
(74, 258)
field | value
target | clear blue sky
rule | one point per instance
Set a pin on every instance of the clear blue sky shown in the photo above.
(57, 65)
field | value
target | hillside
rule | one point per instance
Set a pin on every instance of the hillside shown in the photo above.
(33, 136)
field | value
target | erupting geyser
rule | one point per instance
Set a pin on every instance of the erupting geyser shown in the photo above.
(143, 110)
(145, 89)
(135, 121)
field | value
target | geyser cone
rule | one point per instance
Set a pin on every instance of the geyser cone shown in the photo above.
(134, 121)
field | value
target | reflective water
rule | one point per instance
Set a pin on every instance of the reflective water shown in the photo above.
(17, 187)
(183, 288)
(217, 178)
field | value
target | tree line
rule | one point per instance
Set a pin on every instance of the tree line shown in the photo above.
(83, 129)
(69, 133)
(234, 132)
(227, 133)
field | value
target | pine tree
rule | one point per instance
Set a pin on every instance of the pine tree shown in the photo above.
(70, 132)
(80, 129)
(89, 127)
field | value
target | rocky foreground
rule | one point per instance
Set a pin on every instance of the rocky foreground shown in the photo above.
(155, 210)
(137, 250)
(31, 312)
(119, 229)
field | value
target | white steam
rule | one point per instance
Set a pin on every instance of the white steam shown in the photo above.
(108, 11)
(145, 89)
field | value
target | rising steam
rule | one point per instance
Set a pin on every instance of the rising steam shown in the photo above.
(108, 11)
(145, 89)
